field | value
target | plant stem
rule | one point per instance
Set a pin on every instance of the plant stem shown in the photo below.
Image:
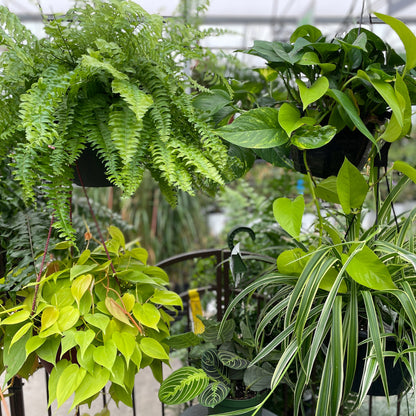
(312, 185)
(41, 267)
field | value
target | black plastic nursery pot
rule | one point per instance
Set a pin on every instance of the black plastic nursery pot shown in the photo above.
(327, 160)
(230, 405)
(90, 170)
(398, 377)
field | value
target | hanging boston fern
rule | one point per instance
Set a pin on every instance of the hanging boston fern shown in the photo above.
(110, 77)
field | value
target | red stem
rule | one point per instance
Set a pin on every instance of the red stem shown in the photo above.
(41, 266)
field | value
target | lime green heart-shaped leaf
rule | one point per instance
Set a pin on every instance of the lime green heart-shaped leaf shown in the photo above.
(33, 343)
(125, 343)
(105, 355)
(91, 385)
(99, 320)
(84, 339)
(368, 270)
(116, 234)
(352, 188)
(16, 318)
(256, 129)
(68, 317)
(147, 314)
(68, 382)
(49, 316)
(153, 349)
(289, 214)
(166, 297)
(314, 92)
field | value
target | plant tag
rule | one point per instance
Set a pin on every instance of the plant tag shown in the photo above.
(196, 309)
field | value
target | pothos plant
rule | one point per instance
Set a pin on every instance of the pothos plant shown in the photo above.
(107, 76)
(219, 367)
(92, 318)
(331, 85)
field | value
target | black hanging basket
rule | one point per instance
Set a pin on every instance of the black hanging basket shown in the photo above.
(90, 170)
(327, 160)
(398, 377)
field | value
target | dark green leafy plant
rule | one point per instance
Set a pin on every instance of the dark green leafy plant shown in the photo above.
(357, 82)
(109, 76)
(94, 318)
(224, 367)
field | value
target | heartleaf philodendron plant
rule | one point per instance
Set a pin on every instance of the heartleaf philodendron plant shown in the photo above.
(92, 319)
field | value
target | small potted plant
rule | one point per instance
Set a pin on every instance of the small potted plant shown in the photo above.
(107, 78)
(341, 96)
(90, 319)
(220, 376)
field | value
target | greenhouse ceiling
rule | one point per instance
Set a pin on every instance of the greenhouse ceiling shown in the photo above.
(248, 20)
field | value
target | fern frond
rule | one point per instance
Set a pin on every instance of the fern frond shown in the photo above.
(39, 104)
(154, 83)
(138, 100)
(194, 158)
(91, 117)
(58, 201)
(125, 134)
(95, 66)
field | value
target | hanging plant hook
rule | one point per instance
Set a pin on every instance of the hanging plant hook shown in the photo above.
(237, 230)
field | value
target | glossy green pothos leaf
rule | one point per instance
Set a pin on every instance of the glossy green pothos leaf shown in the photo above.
(312, 137)
(289, 214)
(290, 119)
(316, 91)
(257, 129)
(352, 188)
(183, 385)
(367, 269)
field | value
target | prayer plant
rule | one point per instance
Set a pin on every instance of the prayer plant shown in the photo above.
(219, 367)
(108, 76)
(91, 319)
